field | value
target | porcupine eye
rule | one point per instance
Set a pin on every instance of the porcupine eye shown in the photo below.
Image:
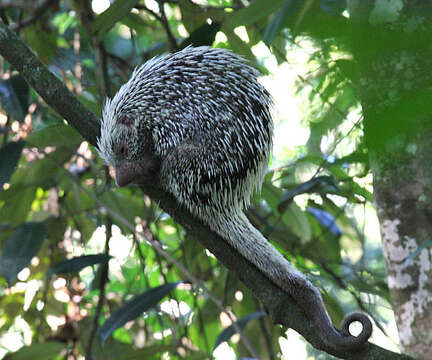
(122, 151)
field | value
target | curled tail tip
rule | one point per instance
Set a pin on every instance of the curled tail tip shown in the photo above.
(363, 337)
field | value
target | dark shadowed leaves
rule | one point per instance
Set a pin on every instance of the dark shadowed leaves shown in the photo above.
(226, 334)
(277, 23)
(20, 248)
(9, 156)
(204, 35)
(134, 308)
(306, 187)
(76, 264)
(14, 95)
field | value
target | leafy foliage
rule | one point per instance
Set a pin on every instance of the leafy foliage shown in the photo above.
(55, 187)
(134, 308)
(20, 248)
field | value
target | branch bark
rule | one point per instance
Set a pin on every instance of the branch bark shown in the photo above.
(280, 306)
(51, 89)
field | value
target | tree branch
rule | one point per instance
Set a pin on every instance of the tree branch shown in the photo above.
(48, 86)
(102, 284)
(280, 306)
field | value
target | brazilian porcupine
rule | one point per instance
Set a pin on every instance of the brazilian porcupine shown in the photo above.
(198, 122)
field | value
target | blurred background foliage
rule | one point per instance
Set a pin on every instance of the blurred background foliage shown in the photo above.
(68, 265)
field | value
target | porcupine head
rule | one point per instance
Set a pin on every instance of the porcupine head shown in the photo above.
(198, 122)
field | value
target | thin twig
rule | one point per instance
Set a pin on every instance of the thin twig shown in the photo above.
(102, 284)
(264, 331)
(162, 18)
(172, 40)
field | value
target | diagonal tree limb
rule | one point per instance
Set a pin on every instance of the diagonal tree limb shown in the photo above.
(48, 86)
(280, 306)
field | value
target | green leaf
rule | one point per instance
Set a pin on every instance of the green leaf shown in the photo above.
(43, 172)
(148, 351)
(134, 308)
(123, 202)
(55, 135)
(110, 16)
(252, 13)
(297, 221)
(17, 204)
(20, 248)
(226, 334)
(333, 307)
(135, 21)
(334, 7)
(275, 26)
(9, 157)
(42, 39)
(204, 35)
(48, 350)
(76, 264)
(271, 194)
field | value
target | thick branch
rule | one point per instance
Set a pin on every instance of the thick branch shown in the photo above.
(51, 89)
(279, 305)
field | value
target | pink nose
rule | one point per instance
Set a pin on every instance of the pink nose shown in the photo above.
(124, 174)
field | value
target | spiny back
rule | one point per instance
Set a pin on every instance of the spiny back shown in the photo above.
(202, 96)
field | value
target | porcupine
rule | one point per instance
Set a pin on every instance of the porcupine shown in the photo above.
(199, 122)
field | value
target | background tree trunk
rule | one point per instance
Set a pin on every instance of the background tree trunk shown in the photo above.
(393, 52)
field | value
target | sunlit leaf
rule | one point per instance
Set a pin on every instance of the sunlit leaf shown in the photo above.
(17, 204)
(121, 201)
(134, 308)
(333, 307)
(252, 13)
(9, 156)
(296, 220)
(271, 194)
(76, 264)
(55, 135)
(42, 172)
(47, 350)
(20, 248)
(105, 21)
(226, 334)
